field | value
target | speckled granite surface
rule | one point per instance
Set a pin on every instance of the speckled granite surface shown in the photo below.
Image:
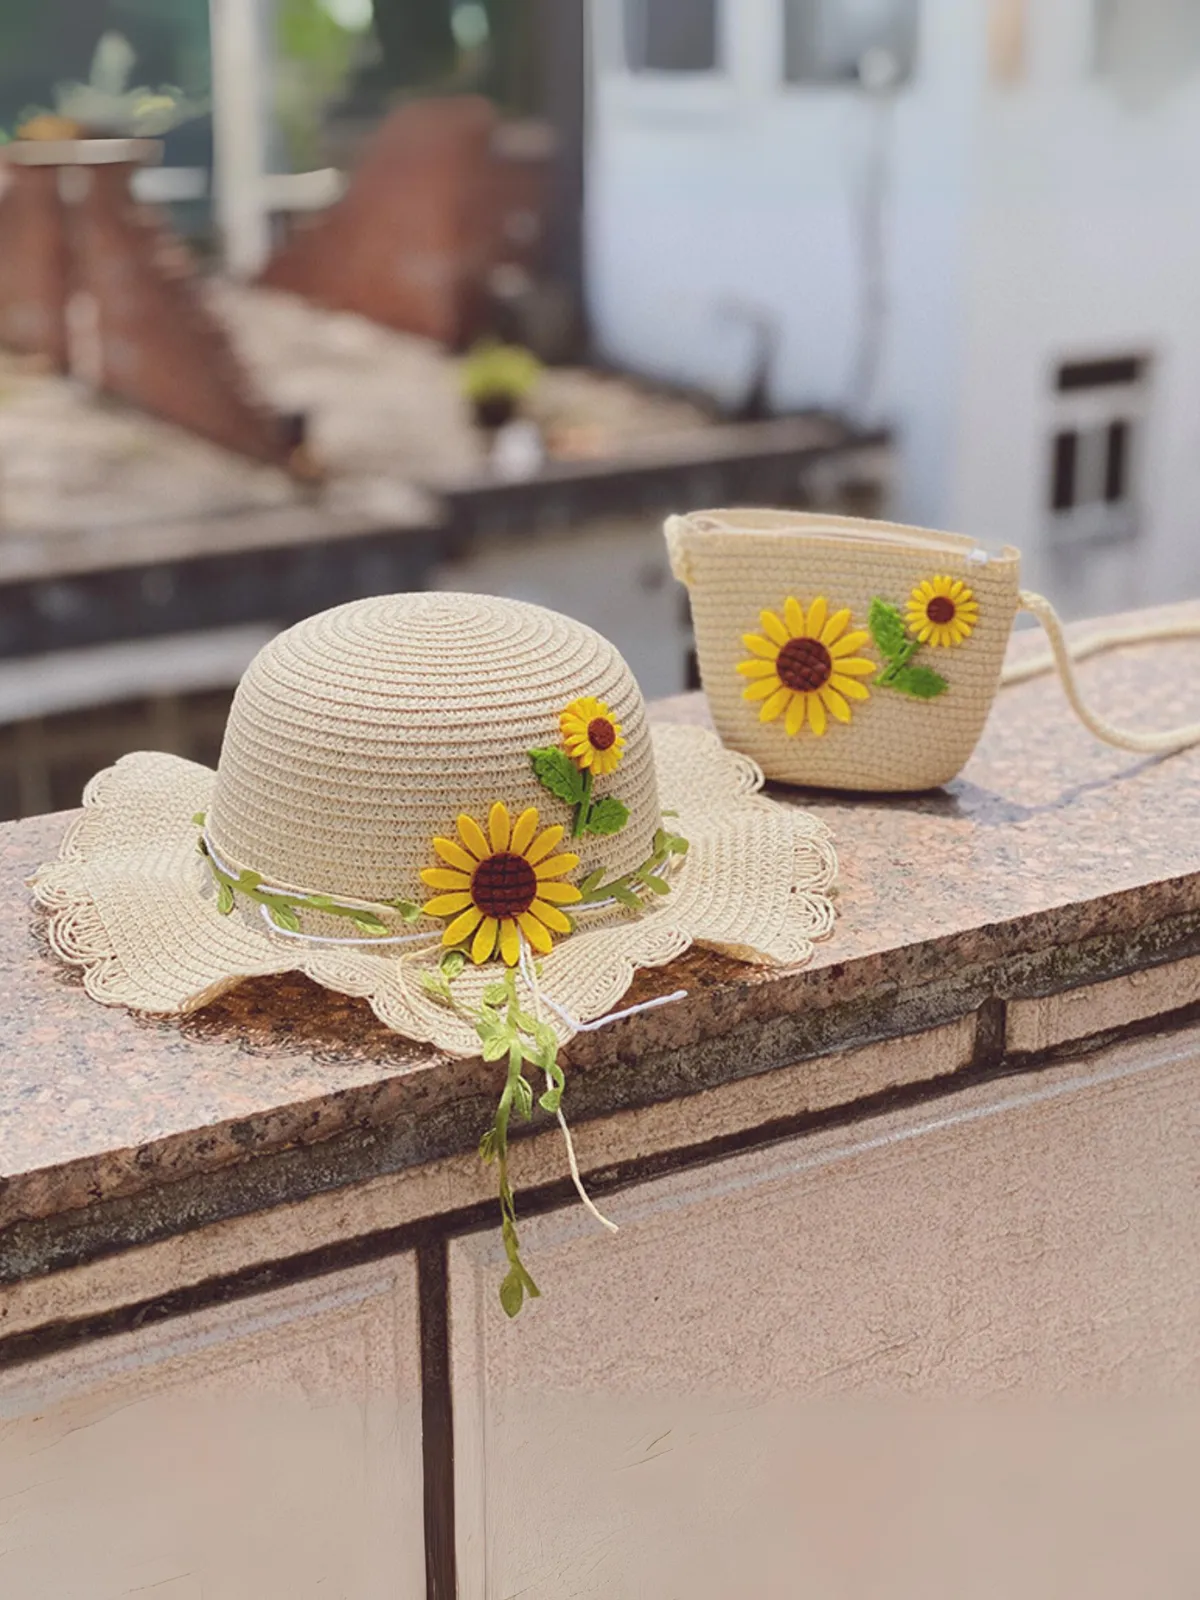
(1051, 862)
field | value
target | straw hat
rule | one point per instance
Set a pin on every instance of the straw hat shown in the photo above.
(419, 795)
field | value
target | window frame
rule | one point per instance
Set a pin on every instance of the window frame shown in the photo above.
(846, 86)
(656, 92)
(1093, 416)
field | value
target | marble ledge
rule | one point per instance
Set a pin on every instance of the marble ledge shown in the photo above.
(1052, 865)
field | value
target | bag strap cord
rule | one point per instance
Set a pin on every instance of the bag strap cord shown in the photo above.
(1064, 657)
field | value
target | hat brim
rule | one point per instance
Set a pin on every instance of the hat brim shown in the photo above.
(131, 901)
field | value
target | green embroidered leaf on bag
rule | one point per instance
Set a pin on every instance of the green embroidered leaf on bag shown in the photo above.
(487, 1146)
(922, 683)
(555, 771)
(200, 819)
(435, 983)
(495, 994)
(655, 885)
(625, 896)
(224, 899)
(495, 1047)
(284, 917)
(592, 881)
(607, 816)
(365, 922)
(887, 628)
(551, 1101)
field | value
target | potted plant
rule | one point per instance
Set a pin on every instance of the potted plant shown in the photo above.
(496, 380)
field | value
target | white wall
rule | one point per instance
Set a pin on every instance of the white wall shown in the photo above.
(739, 187)
(1085, 242)
(1054, 219)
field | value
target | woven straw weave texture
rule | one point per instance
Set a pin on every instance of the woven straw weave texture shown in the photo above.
(738, 563)
(341, 782)
(360, 734)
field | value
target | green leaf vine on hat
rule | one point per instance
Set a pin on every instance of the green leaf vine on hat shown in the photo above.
(284, 908)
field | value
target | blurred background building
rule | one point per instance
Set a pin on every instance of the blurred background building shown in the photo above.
(934, 258)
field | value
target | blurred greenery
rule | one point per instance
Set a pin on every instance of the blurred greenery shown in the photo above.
(423, 48)
(316, 54)
(52, 41)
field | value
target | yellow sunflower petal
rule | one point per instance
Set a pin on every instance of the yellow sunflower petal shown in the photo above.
(756, 669)
(775, 706)
(544, 843)
(759, 646)
(445, 878)
(571, 726)
(463, 927)
(583, 756)
(524, 829)
(795, 716)
(484, 941)
(762, 688)
(499, 827)
(816, 715)
(835, 628)
(793, 615)
(551, 916)
(562, 894)
(957, 589)
(848, 645)
(924, 591)
(445, 905)
(817, 613)
(510, 942)
(472, 835)
(928, 634)
(849, 687)
(557, 866)
(772, 627)
(854, 666)
(834, 703)
(454, 855)
(606, 761)
(537, 933)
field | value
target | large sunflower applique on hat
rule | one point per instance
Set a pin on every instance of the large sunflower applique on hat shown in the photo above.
(453, 806)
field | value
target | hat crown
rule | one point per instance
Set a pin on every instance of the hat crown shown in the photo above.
(359, 735)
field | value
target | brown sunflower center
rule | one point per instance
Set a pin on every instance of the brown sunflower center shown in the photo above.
(804, 665)
(504, 885)
(601, 734)
(941, 610)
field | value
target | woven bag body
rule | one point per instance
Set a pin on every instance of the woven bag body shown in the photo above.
(737, 564)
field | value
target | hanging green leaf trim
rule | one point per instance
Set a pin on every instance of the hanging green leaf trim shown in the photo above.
(556, 772)
(284, 909)
(893, 643)
(508, 1033)
(624, 890)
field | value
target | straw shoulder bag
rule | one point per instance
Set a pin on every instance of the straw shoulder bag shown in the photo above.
(846, 654)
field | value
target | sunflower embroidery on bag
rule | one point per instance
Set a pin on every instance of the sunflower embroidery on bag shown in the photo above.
(805, 666)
